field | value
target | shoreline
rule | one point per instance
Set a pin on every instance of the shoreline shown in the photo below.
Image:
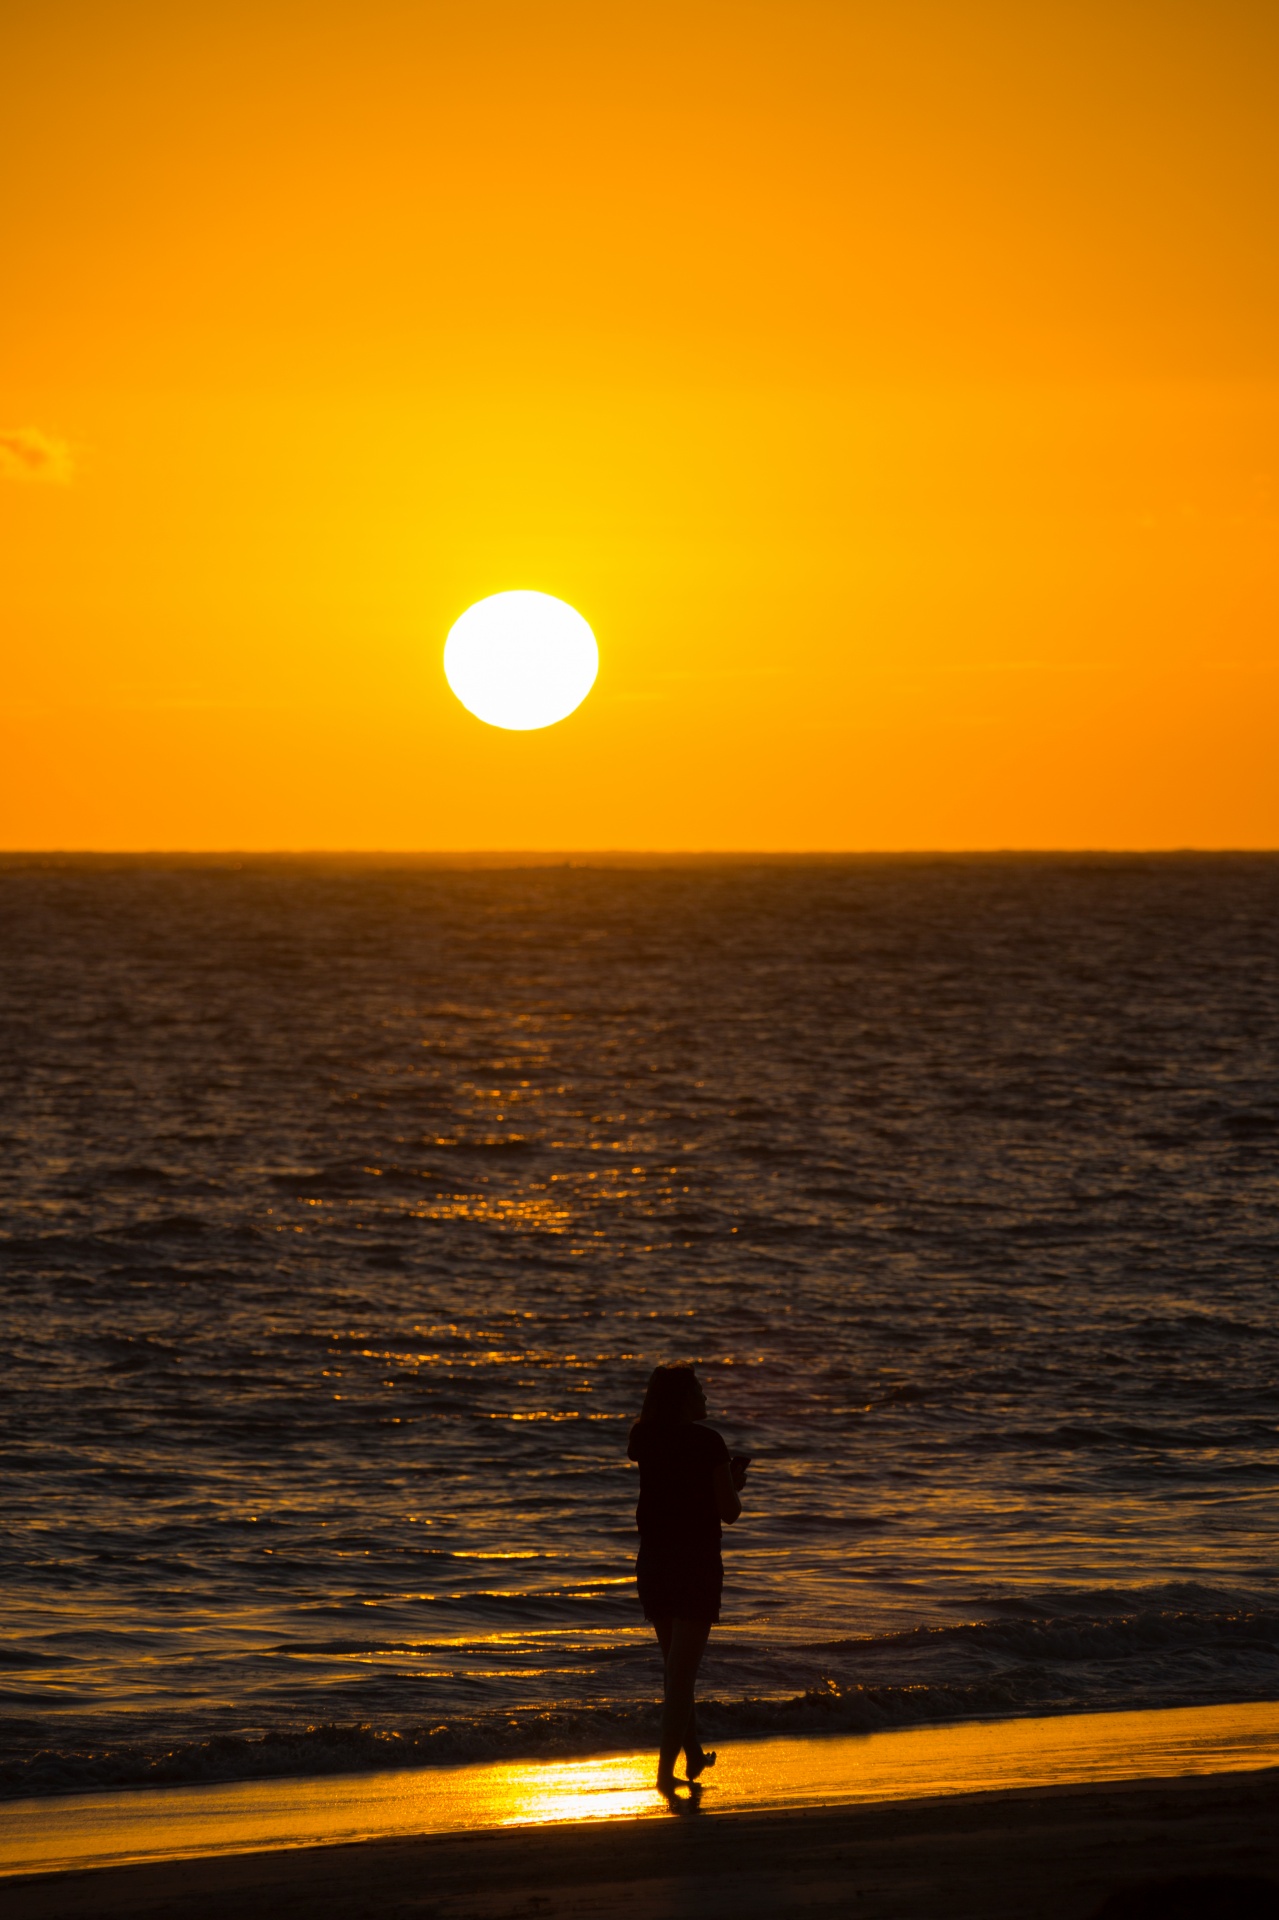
(154, 1825)
(303, 1765)
(1054, 1853)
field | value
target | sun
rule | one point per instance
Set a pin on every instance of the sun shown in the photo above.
(521, 660)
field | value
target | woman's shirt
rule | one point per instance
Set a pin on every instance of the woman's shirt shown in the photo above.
(677, 1507)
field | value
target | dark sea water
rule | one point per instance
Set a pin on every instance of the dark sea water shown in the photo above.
(346, 1206)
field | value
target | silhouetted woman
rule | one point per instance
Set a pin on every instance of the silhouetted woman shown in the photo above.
(689, 1483)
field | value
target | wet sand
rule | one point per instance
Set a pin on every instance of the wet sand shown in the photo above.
(1041, 1854)
(106, 1829)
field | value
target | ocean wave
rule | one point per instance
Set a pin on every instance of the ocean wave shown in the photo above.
(987, 1669)
(1073, 1636)
(523, 1735)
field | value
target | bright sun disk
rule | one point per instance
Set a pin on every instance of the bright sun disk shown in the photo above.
(521, 660)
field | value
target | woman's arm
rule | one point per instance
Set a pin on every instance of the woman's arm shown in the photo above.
(726, 1499)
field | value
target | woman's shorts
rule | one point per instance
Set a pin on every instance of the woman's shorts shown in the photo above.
(679, 1586)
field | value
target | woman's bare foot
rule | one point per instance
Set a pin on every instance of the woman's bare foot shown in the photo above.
(697, 1763)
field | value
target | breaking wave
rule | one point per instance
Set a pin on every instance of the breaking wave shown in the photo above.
(1149, 1658)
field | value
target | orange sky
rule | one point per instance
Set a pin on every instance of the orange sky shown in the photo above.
(895, 388)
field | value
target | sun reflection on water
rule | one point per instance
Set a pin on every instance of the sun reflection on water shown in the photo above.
(607, 1789)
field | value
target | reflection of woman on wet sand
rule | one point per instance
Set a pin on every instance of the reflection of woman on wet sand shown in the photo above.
(689, 1483)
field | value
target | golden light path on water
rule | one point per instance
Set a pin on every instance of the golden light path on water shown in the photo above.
(751, 1777)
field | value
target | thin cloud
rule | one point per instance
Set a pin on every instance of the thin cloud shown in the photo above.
(28, 453)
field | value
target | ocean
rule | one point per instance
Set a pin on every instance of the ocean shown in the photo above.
(345, 1205)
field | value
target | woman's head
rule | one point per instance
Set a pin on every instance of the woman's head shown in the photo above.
(674, 1393)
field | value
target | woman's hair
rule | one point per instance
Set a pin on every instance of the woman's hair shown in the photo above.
(668, 1392)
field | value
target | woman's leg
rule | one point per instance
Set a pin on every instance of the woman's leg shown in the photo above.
(694, 1756)
(683, 1651)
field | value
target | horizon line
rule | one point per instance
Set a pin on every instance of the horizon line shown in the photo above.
(558, 856)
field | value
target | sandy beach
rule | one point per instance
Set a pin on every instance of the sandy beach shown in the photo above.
(1024, 1818)
(1048, 1853)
